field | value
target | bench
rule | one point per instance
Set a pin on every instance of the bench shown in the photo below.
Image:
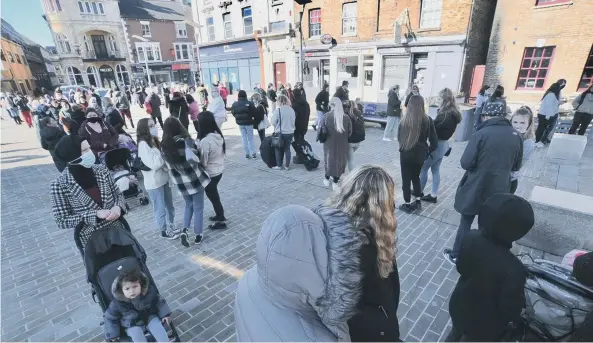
(563, 221)
(566, 148)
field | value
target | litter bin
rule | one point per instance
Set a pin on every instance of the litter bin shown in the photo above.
(465, 128)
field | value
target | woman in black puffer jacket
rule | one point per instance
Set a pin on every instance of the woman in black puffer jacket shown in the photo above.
(178, 108)
(358, 132)
(50, 135)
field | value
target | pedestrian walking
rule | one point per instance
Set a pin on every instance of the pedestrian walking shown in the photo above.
(394, 113)
(224, 93)
(413, 91)
(22, 103)
(289, 92)
(358, 132)
(156, 178)
(445, 123)
(212, 149)
(480, 100)
(166, 94)
(548, 114)
(180, 153)
(50, 136)
(123, 105)
(272, 96)
(193, 108)
(179, 109)
(321, 105)
(302, 111)
(417, 139)
(283, 120)
(335, 148)
(489, 297)
(522, 121)
(492, 153)
(217, 107)
(583, 106)
(154, 101)
(202, 94)
(260, 121)
(12, 108)
(244, 112)
(342, 91)
(139, 97)
(339, 257)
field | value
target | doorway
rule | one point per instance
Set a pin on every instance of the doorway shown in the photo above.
(99, 46)
(279, 74)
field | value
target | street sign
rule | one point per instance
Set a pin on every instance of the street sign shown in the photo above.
(326, 39)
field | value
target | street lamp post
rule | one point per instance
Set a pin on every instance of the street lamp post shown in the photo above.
(145, 57)
(301, 62)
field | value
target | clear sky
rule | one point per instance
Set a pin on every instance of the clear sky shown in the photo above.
(25, 17)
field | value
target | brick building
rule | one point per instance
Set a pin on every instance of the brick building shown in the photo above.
(16, 74)
(536, 42)
(434, 44)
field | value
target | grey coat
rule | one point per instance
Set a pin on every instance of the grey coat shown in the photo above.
(492, 153)
(307, 280)
(335, 148)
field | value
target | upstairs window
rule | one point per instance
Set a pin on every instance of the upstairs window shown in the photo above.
(145, 28)
(430, 14)
(18, 58)
(182, 51)
(210, 29)
(349, 12)
(228, 25)
(587, 77)
(10, 57)
(315, 22)
(247, 21)
(534, 67)
(180, 29)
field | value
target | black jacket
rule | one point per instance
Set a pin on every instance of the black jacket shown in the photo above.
(302, 111)
(178, 108)
(260, 113)
(115, 119)
(376, 320)
(50, 136)
(394, 105)
(244, 112)
(322, 101)
(358, 131)
(445, 124)
(420, 151)
(272, 95)
(489, 296)
(341, 94)
(155, 103)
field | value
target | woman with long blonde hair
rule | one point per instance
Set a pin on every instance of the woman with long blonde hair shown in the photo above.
(335, 148)
(328, 274)
(415, 130)
(445, 124)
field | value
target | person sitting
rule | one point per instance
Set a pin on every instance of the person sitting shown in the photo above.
(100, 135)
(489, 297)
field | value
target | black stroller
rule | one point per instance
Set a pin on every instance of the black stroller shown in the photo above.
(107, 252)
(557, 304)
(123, 157)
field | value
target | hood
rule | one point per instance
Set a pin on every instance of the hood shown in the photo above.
(494, 121)
(214, 139)
(119, 295)
(177, 100)
(505, 218)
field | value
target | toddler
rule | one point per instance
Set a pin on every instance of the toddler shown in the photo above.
(522, 121)
(136, 306)
(122, 179)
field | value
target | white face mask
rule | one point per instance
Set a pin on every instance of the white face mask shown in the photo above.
(86, 160)
(154, 131)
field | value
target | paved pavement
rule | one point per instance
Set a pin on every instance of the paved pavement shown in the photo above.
(45, 296)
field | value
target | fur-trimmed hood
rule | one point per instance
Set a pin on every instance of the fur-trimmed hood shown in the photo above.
(118, 293)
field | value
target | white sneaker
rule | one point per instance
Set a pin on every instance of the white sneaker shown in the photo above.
(334, 186)
(326, 182)
(277, 168)
(386, 139)
(540, 145)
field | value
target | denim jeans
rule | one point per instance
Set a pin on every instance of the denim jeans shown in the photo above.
(320, 118)
(247, 137)
(433, 162)
(465, 224)
(284, 151)
(391, 128)
(194, 207)
(162, 205)
(155, 327)
(352, 147)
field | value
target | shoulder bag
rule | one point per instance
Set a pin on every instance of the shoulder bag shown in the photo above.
(322, 132)
(265, 123)
(277, 141)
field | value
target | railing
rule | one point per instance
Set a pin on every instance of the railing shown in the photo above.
(109, 56)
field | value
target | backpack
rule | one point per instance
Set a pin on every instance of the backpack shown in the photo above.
(358, 132)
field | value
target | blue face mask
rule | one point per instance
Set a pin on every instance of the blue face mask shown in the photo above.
(86, 160)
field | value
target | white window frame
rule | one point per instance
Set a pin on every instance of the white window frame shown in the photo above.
(245, 18)
(179, 51)
(430, 14)
(349, 21)
(143, 47)
(100, 6)
(63, 43)
(112, 43)
(89, 7)
(147, 24)
(180, 29)
(224, 25)
(210, 30)
(317, 30)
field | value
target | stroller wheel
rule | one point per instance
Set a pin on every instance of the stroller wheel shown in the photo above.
(127, 207)
(144, 201)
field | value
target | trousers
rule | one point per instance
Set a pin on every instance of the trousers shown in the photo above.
(162, 205)
(544, 127)
(465, 224)
(194, 208)
(391, 128)
(410, 169)
(154, 326)
(581, 119)
(284, 151)
(214, 197)
(247, 137)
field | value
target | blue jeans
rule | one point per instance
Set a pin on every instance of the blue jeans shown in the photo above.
(391, 128)
(285, 150)
(433, 162)
(247, 136)
(154, 326)
(162, 205)
(194, 207)
(320, 118)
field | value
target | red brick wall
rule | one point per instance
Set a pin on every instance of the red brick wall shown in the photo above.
(162, 32)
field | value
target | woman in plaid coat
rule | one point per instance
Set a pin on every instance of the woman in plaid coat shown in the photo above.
(180, 152)
(84, 192)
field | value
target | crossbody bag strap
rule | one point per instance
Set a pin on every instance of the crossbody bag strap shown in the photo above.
(280, 119)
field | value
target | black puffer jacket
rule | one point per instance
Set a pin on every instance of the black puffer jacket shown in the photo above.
(445, 123)
(302, 110)
(358, 132)
(394, 105)
(322, 101)
(244, 111)
(487, 302)
(178, 108)
(50, 136)
(341, 94)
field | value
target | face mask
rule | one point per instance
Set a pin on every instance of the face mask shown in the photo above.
(86, 160)
(415, 92)
(154, 131)
(94, 119)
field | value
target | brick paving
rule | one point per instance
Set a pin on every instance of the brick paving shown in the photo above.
(45, 296)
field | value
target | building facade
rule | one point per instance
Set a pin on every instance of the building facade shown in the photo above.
(16, 74)
(158, 36)
(376, 44)
(536, 42)
(89, 38)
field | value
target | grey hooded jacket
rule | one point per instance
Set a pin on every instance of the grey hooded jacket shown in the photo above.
(307, 279)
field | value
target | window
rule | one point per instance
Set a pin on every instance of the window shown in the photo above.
(18, 59)
(180, 29)
(63, 43)
(112, 43)
(367, 66)
(80, 7)
(24, 60)
(349, 18)
(87, 44)
(228, 25)
(587, 77)
(148, 51)
(58, 6)
(10, 57)
(430, 14)
(210, 28)
(145, 28)
(534, 67)
(51, 6)
(74, 76)
(182, 51)
(100, 8)
(87, 6)
(95, 10)
(315, 22)
(550, 2)
(28, 84)
(247, 21)
(122, 74)
(2, 55)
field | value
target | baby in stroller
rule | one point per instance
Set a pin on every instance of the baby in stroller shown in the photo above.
(136, 305)
(123, 178)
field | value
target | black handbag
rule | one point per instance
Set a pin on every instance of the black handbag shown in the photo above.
(322, 132)
(139, 165)
(277, 141)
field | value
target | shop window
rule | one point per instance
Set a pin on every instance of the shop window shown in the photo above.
(10, 57)
(550, 2)
(315, 22)
(430, 14)
(145, 25)
(228, 25)
(534, 67)
(247, 21)
(368, 70)
(75, 76)
(18, 58)
(587, 77)
(210, 28)
(182, 51)
(180, 29)
(348, 70)
(349, 18)
(395, 71)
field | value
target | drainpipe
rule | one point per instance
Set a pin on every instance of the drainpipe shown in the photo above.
(469, 22)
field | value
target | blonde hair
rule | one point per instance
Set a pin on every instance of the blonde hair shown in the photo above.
(338, 111)
(527, 112)
(449, 104)
(412, 123)
(367, 196)
(283, 100)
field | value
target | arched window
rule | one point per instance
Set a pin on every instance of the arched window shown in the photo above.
(122, 74)
(87, 43)
(63, 43)
(93, 76)
(74, 76)
(112, 44)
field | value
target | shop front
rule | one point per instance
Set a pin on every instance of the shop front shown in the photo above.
(181, 73)
(237, 65)
(357, 66)
(158, 73)
(107, 76)
(316, 70)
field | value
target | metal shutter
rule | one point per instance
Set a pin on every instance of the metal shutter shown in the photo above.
(396, 71)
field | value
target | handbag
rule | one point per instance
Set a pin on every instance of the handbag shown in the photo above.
(265, 123)
(139, 165)
(277, 141)
(322, 132)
